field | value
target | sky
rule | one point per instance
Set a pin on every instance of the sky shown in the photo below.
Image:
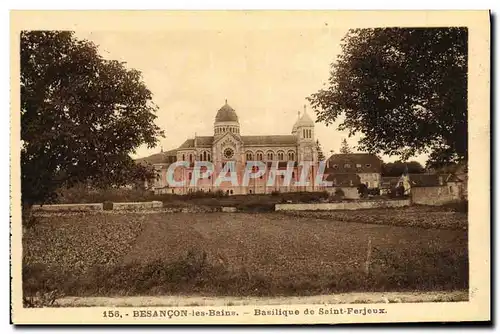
(265, 75)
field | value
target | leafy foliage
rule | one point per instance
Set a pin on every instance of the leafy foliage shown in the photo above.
(403, 89)
(42, 299)
(362, 190)
(81, 116)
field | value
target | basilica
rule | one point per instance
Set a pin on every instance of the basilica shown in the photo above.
(229, 143)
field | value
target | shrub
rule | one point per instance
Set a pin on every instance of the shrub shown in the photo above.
(42, 299)
(458, 206)
(275, 193)
(27, 217)
(339, 192)
(107, 205)
(374, 191)
(362, 190)
(256, 206)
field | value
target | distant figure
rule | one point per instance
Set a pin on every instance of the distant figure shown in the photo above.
(405, 182)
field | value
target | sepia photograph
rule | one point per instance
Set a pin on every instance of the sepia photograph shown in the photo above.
(250, 167)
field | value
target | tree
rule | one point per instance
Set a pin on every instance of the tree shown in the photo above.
(398, 167)
(403, 89)
(321, 156)
(362, 190)
(344, 147)
(81, 117)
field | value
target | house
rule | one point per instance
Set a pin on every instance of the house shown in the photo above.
(436, 189)
(347, 182)
(160, 162)
(367, 166)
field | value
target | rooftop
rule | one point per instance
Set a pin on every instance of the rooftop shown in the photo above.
(226, 114)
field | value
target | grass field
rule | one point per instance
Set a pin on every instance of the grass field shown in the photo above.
(240, 254)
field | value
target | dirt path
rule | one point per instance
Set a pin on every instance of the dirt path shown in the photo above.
(343, 298)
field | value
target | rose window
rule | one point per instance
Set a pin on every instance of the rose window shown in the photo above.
(228, 153)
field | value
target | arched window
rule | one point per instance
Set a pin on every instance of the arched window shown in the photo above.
(270, 156)
(190, 158)
(260, 156)
(183, 157)
(205, 156)
(209, 157)
(281, 156)
(201, 157)
(249, 156)
(291, 156)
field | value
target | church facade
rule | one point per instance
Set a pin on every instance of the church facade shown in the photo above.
(229, 143)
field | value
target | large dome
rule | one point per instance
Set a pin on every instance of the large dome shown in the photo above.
(226, 114)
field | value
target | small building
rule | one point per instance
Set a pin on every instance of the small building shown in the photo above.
(367, 166)
(428, 189)
(347, 183)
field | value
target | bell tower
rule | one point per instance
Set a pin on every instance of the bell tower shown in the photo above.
(304, 130)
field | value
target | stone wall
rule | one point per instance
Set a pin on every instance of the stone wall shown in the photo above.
(342, 205)
(349, 192)
(137, 205)
(258, 188)
(436, 195)
(69, 207)
(97, 206)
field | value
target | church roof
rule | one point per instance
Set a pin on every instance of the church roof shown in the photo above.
(269, 140)
(158, 158)
(306, 119)
(226, 114)
(207, 141)
(201, 141)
